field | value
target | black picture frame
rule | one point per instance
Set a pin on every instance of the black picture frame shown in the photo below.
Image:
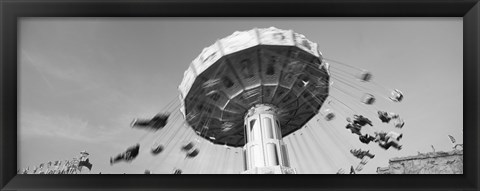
(11, 10)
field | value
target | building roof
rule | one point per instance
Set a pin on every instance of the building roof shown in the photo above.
(428, 155)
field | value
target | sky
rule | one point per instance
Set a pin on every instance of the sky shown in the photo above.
(83, 80)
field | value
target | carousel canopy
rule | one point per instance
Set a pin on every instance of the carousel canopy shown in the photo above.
(259, 66)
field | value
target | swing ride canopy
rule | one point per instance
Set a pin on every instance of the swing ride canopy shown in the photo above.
(259, 66)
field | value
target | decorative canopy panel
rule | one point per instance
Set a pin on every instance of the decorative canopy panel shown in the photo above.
(268, 66)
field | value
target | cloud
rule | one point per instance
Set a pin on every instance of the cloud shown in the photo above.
(26, 58)
(63, 126)
(46, 66)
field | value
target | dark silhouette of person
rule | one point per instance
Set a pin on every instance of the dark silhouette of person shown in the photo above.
(157, 122)
(127, 156)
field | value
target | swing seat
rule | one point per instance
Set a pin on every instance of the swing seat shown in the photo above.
(193, 153)
(157, 150)
(177, 171)
(365, 76)
(329, 116)
(368, 99)
(399, 123)
(187, 147)
(397, 96)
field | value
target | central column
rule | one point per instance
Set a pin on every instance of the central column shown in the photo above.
(264, 151)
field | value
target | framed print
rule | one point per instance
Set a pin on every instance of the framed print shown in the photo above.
(167, 95)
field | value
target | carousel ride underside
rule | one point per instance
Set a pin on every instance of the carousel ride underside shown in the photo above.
(293, 80)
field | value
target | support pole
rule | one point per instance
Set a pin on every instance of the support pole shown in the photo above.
(264, 150)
